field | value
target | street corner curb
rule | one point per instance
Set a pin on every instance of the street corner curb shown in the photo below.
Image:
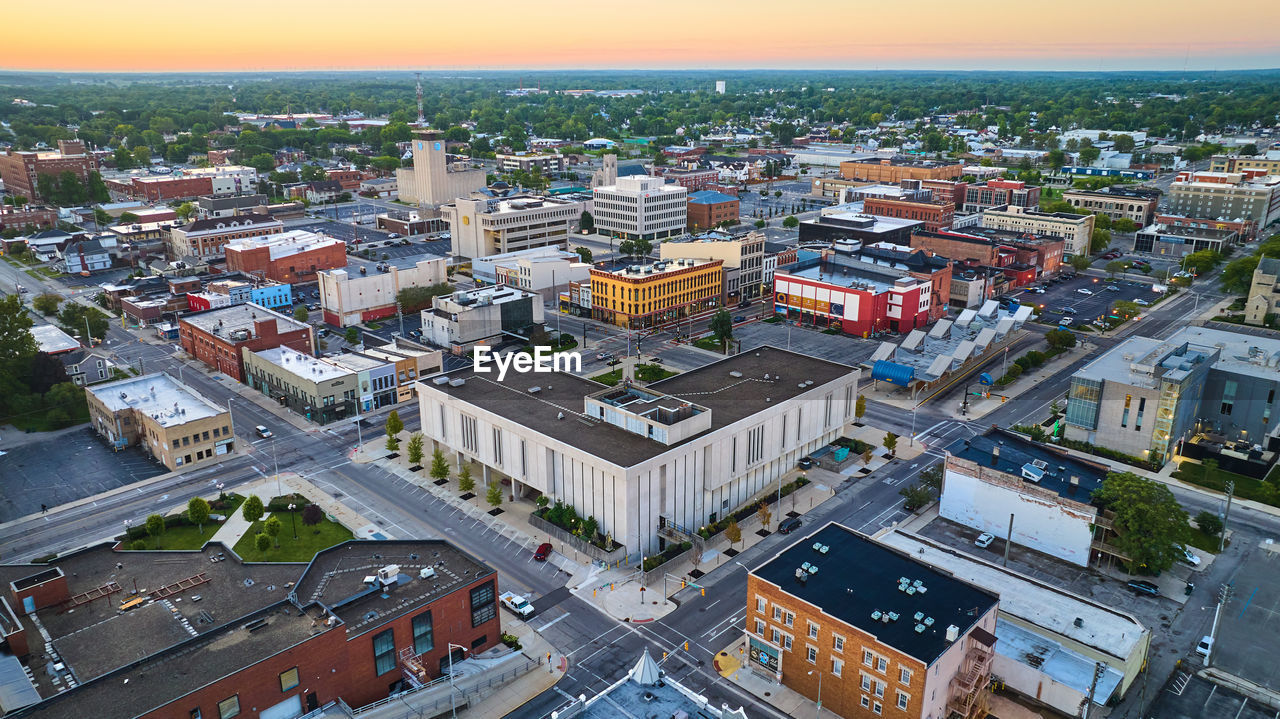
(640, 621)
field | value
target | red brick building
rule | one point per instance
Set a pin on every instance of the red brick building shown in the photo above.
(21, 170)
(708, 209)
(935, 215)
(20, 218)
(1246, 229)
(292, 257)
(694, 179)
(1021, 256)
(350, 179)
(995, 193)
(361, 621)
(217, 337)
(952, 191)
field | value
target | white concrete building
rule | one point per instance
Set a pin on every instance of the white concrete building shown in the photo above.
(432, 180)
(998, 474)
(485, 226)
(1074, 229)
(467, 318)
(349, 298)
(537, 269)
(674, 455)
(641, 207)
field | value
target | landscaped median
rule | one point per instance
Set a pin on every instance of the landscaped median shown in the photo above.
(179, 532)
(291, 535)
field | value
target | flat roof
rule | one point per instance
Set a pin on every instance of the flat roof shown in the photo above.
(850, 273)
(159, 395)
(863, 222)
(707, 197)
(335, 579)
(1240, 353)
(284, 244)
(1201, 233)
(1108, 630)
(356, 363)
(51, 339)
(240, 317)
(1017, 452)
(729, 398)
(303, 365)
(853, 596)
(632, 269)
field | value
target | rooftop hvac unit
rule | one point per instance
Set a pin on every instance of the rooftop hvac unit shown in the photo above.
(952, 632)
(441, 380)
(387, 575)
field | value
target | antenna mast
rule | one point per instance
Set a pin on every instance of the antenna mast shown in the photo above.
(421, 120)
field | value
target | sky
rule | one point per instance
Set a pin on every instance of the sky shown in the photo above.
(253, 35)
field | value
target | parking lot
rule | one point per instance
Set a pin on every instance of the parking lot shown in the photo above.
(340, 230)
(837, 348)
(1087, 307)
(1246, 644)
(67, 467)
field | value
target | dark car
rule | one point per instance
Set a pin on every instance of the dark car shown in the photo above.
(789, 525)
(739, 318)
(805, 463)
(543, 551)
(1142, 586)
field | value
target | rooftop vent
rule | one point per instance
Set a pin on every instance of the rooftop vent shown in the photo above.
(457, 382)
(919, 629)
(952, 632)
(735, 374)
(534, 390)
(440, 380)
(1079, 622)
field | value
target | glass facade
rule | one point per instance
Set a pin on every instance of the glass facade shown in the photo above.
(1083, 401)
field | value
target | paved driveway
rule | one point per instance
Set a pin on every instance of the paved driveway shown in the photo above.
(1087, 307)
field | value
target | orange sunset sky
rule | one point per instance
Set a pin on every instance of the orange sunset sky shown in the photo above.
(178, 35)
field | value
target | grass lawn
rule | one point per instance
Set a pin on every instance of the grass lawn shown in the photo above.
(1246, 487)
(310, 540)
(1204, 541)
(708, 343)
(181, 537)
(611, 378)
(644, 373)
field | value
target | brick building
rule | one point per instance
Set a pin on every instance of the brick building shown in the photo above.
(184, 185)
(693, 179)
(205, 239)
(168, 419)
(20, 218)
(21, 170)
(349, 178)
(843, 291)
(1016, 253)
(708, 209)
(269, 640)
(934, 214)
(994, 193)
(217, 337)
(953, 191)
(902, 640)
(293, 257)
(897, 169)
(1118, 201)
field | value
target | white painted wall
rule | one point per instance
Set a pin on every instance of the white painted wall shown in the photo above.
(1033, 683)
(1038, 524)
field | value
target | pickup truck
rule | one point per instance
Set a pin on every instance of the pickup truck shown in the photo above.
(517, 604)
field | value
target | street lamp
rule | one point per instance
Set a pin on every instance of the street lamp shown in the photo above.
(453, 707)
(220, 485)
(818, 707)
(293, 520)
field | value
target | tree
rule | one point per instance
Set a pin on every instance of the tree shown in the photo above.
(586, 221)
(733, 532)
(584, 253)
(643, 247)
(627, 248)
(721, 326)
(1101, 239)
(262, 542)
(198, 512)
(300, 313)
(253, 509)
(353, 335)
(1056, 158)
(860, 407)
(155, 527)
(1122, 143)
(416, 299)
(891, 443)
(128, 218)
(1209, 523)
(272, 528)
(102, 218)
(74, 317)
(1237, 276)
(186, 210)
(916, 496)
(931, 478)
(1127, 308)
(312, 515)
(394, 426)
(1089, 155)
(466, 482)
(790, 222)
(1124, 224)
(439, 465)
(760, 224)
(1202, 261)
(493, 495)
(1149, 523)
(415, 448)
(1080, 262)
(764, 514)
(47, 303)
(1060, 338)
(1208, 467)
(1115, 266)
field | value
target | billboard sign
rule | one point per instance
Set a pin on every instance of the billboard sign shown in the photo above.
(766, 657)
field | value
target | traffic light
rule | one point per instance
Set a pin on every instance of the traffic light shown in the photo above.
(704, 591)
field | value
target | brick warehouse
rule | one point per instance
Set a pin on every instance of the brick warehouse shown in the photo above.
(21, 170)
(935, 215)
(270, 640)
(895, 639)
(293, 257)
(708, 209)
(217, 337)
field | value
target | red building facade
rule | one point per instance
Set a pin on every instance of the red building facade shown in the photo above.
(217, 337)
(935, 215)
(288, 257)
(830, 299)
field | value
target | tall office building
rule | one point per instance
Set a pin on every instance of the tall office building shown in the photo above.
(432, 181)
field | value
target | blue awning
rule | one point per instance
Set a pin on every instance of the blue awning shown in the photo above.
(893, 373)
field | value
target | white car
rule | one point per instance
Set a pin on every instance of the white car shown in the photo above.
(1142, 303)
(1186, 556)
(985, 539)
(1065, 322)
(1205, 646)
(517, 604)
(1083, 291)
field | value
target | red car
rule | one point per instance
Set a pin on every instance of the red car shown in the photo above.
(544, 551)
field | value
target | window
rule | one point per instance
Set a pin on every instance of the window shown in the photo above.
(877, 708)
(288, 679)
(229, 707)
(777, 613)
(837, 666)
(776, 637)
(483, 606)
(760, 627)
(195, 713)
(837, 643)
(866, 684)
(384, 652)
(761, 604)
(867, 657)
(903, 700)
(811, 654)
(786, 642)
(813, 630)
(866, 702)
(904, 676)
(790, 620)
(423, 639)
(880, 689)
(882, 664)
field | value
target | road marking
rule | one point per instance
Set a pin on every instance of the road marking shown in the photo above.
(548, 625)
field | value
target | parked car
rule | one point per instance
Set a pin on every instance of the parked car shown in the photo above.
(1205, 646)
(1068, 310)
(739, 318)
(1083, 291)
(394, 236)
(1112, 288)
(1185, 555)
(805, 463)
(1142, 303)
(1142, 586)
(984, 540)
(263, 432)
(517, 604)
(604, 356)
(542, 552)
(322, 332)
(789, 525)
(1065, 322)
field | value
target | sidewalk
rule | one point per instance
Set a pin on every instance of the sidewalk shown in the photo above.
(731, 661)
(981, 406)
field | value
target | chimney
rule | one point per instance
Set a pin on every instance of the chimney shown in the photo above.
(995, 453)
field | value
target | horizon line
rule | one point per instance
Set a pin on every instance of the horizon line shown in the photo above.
(490, 69)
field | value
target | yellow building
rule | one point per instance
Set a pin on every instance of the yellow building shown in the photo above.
(171, 422)
(639, 296)
(1270, 162)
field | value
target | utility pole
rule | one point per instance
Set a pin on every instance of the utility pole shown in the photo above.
(1222, 541)
(1098, 669)
(1224, 596)
(88, 336)
(1008, 540)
